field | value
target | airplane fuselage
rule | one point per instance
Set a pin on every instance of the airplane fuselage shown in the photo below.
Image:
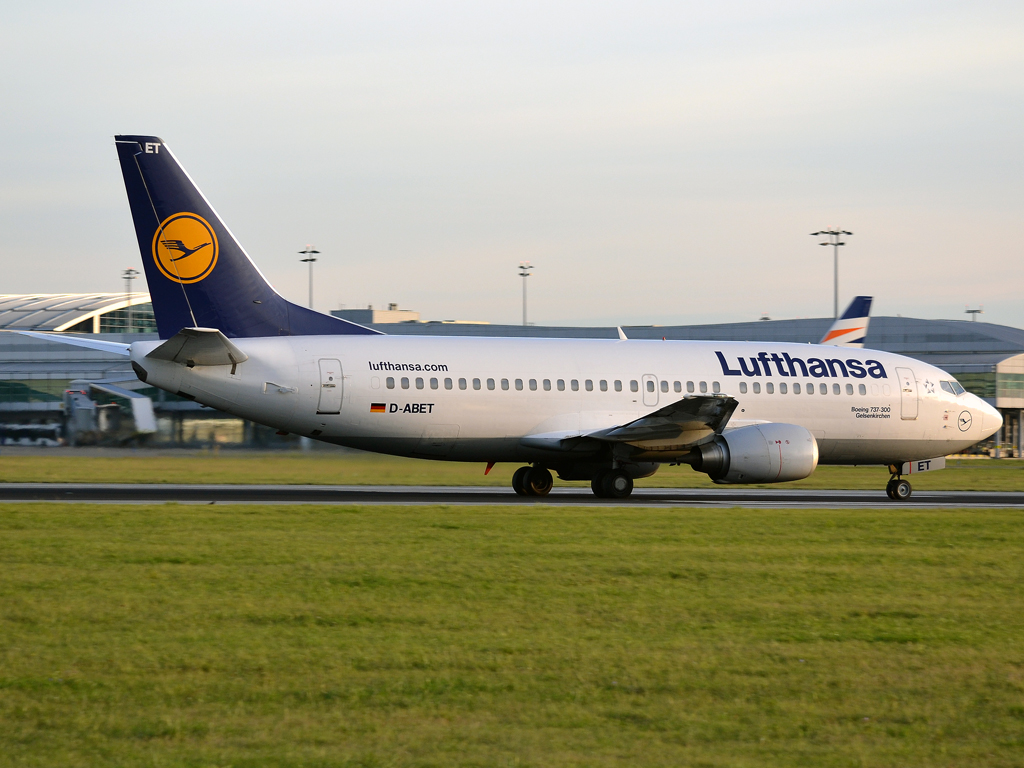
(495, 399)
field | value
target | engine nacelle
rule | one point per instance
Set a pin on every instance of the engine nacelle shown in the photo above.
(761, 453)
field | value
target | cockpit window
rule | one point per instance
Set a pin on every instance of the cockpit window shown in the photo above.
(953, 387)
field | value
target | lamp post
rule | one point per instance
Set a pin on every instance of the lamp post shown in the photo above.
(129, 275)
(308, 253)
(524, 272)
(835, 240)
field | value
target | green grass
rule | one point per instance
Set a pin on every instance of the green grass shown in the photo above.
(431, 636)
(371, 469)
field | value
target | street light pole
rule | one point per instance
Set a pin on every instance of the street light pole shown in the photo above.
(835, 240)
(308, 253)
(524, 272)
(129, 275)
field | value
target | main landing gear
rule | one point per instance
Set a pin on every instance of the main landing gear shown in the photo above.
(897, 488)
(612, 484)
(532, 481)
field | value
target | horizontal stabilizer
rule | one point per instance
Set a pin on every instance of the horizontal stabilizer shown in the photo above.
(199, 346)
(113, 347)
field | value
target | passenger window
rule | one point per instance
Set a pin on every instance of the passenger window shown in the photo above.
(810, 389)
(490, 383)
(561, 385)
(618, 385)
(390, 382)
(835, 389)
(782, 388)
(716, 387)
(689, 386)
(757, 388)
(769, 388)
(703, 387)
(462, 383)
(447, 383)
(796, 388)
(405, 383)
(588, 385)
(575, 385)
(476, 383)
(677, 386)
(664, 386)
(633, 386)
(823, 388)
(419, 383)
(504, 383)
(533, 385)
(547, 385)
(849, 389)
(743, 387)
(861, 389)
(650, 386)
(604, 385)
(519, 384)
(433, 383)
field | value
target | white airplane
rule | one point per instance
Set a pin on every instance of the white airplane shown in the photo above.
(608, 411)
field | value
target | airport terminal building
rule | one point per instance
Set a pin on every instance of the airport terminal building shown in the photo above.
(36, 375)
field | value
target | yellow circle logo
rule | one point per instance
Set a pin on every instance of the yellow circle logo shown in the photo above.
(185, 248)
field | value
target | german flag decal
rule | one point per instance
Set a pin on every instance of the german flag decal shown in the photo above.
(378, 408)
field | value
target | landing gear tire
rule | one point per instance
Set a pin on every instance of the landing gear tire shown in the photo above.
(888, 489)
(901, 490)
(616, 484)
(597, 485)
(519, 480)
(537, 482)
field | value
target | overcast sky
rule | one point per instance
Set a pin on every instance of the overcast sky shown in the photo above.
(657, 162)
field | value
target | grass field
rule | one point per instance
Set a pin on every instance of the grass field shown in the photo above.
(332, 636)
(370, 469)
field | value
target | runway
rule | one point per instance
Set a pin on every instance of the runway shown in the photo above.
(725, 496)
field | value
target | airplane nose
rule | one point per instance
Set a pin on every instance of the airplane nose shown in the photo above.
(991, 420)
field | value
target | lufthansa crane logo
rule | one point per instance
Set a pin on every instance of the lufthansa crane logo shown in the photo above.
(964, 422)
(185, 248)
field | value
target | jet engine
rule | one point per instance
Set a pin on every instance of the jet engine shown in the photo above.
(762, 453)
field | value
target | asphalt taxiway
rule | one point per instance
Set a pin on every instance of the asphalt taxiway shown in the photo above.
(488, 496)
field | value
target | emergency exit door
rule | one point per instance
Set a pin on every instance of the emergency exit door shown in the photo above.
(330, 387)
(908, 393)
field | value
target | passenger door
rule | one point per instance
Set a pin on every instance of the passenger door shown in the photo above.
(331, 388)
(908, 393)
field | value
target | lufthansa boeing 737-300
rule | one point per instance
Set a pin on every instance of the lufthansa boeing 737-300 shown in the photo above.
(608, 411)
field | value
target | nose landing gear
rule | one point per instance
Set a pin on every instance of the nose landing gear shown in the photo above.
(532, 481)
(897, 488)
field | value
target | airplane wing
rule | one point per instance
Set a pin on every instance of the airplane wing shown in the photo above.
(199, 346)
(80, 341)
(691, 421)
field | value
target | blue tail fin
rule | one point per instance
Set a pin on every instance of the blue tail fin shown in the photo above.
(198, 274)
